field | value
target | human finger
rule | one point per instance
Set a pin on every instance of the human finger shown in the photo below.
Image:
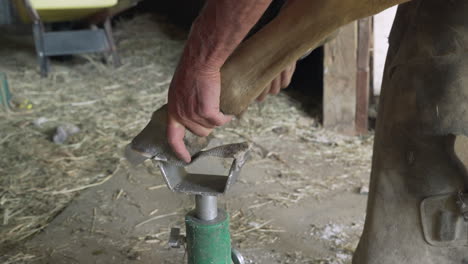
(210, 117)
(175, 138)
(286, 76)
(275, 86)
(196, 128)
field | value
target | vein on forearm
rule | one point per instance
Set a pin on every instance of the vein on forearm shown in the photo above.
(219, 29)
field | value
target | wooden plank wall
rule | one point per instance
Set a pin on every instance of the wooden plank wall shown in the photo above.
(362, 79)
(339, 81)
(346, 79)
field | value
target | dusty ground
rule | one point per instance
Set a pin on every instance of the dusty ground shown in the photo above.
(101, 226)
(297, 201)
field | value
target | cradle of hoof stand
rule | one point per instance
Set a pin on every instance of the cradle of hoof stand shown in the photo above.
(208, 240)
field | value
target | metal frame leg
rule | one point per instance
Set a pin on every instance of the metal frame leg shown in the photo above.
(38, 31)
(110, 39)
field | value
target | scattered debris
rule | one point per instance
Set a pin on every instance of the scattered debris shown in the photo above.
(17, 258)
(247, 228)
(20, 103)
(40, 121)
(333, 233)
(110, 104)
(156, 218)
(364, 190)
(132, 254)
(62, 132)
(336, 236)
(281, 130)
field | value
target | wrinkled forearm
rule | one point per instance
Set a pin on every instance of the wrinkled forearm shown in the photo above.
(218, 30)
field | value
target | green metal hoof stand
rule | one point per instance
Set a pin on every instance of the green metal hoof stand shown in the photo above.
(208, 240)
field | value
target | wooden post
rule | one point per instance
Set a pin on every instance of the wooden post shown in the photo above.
(339, 81)
(346, 79)
(362, 79)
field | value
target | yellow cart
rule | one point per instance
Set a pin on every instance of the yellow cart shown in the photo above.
(68, 42)
(67, 10)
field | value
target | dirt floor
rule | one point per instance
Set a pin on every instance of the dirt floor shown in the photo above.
(300, 199)
(103, 225)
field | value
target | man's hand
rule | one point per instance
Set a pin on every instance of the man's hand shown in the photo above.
(197, 108)
(280, 82)
(195, 88)
(193, 104)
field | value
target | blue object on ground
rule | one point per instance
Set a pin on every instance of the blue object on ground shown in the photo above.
(5, 95)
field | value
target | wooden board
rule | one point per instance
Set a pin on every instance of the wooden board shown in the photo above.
(346, 79)
(362, 78)
(339, 81)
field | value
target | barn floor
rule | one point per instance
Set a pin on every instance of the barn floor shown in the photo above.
(98, 227)
(300, 199)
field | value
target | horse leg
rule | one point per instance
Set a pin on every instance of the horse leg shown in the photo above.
(415, 211)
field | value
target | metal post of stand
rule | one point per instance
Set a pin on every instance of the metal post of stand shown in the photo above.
(206, 207)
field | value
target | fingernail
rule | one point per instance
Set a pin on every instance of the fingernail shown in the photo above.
(186, 157)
